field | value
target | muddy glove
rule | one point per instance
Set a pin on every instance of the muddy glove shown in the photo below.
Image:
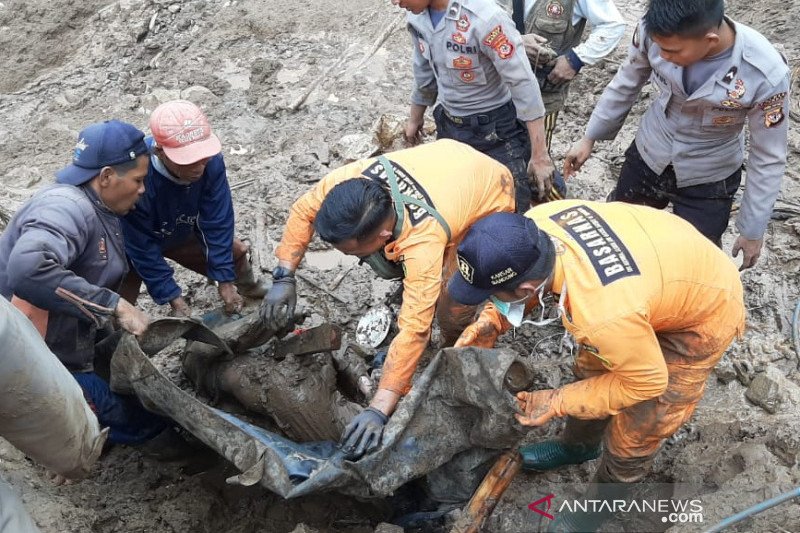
(480, 334)
(363, 433)
(281, 300)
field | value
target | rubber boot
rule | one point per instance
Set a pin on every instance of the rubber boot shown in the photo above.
(552, 454)
(246, 282)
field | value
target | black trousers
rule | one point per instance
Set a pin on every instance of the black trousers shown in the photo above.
(706, 206)
(501, 136)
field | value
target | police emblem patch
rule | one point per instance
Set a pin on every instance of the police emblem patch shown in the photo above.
(773, 116)
(467, 271)
(463, 23)
(738, 90)
(497, 41)
(773, 110)
(467, 76)
(555, 9)
(462, 62)
(459, 38)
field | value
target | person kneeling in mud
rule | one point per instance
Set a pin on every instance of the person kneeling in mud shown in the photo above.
(403, 214)
(652, 305)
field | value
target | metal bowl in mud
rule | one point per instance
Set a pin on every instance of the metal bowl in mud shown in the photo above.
(374, 326)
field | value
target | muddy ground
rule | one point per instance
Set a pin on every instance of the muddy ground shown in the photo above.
(66, 63)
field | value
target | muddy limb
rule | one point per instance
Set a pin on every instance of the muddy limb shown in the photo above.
(299, 393)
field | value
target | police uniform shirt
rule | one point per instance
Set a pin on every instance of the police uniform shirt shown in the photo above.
(702, 134)
(607, 23)
(473, 61)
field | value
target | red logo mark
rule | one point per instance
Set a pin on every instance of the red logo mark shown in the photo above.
(535, 506)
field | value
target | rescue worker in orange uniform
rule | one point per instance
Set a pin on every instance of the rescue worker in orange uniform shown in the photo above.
(404, 223)
(650, 302)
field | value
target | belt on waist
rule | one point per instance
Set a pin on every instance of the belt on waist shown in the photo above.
(478, 118)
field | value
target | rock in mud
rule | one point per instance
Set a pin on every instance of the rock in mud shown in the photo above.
(770, 390)
(356, 146)
(725, 371)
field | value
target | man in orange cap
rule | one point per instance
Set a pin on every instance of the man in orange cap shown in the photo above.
(186, 215)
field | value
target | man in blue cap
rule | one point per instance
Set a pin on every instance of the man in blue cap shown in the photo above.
(649, 326)
(62, 259)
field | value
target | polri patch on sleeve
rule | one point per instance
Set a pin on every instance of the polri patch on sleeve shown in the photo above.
(608, 254)
(773, 110)
(498, 41)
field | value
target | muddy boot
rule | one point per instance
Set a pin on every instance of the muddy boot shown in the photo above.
(552, 454)
(246, 281)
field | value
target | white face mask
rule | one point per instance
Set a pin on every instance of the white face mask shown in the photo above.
(515, 311)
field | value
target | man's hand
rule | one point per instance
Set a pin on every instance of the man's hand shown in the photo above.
(562, 72)
(179, 307)
(280, 302)
(577, 156)
(131, 319)
(480, 334)
(540, 173)
(413, 129)
(230, 297)
(751, 249)
(537, 407)
(539, 54)
(363, 433)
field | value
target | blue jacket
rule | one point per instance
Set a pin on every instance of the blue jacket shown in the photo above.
(165, 217)
(63, 253)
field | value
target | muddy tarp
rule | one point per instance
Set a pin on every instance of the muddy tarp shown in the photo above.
(462, 401)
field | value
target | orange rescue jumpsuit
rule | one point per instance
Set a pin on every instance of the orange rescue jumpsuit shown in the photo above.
(463, 185)
(652, 305)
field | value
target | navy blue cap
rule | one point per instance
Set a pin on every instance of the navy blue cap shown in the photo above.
(99, 145)
(498, 253)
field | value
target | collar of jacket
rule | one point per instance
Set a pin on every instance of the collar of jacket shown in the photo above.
(93, 197)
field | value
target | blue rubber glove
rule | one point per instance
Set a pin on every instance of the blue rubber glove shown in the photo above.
(363, 433)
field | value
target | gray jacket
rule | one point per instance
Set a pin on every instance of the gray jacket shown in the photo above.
(702, 135)
(63, 253)
(473, 61)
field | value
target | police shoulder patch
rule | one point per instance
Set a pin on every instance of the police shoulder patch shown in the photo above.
(498, 41)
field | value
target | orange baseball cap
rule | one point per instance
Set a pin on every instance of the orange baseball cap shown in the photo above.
(182, 130)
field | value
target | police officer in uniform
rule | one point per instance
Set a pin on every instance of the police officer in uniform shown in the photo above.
(712, 73)
(469, 56)
(552, 32)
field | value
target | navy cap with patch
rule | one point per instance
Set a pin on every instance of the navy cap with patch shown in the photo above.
(100, 145)
(498, 253)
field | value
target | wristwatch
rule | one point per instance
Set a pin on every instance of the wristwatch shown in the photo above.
(281, 272)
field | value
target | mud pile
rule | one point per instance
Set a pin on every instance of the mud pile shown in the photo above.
(293, 91)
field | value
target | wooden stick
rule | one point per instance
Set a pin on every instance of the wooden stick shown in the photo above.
(260, 249)
(489, 493)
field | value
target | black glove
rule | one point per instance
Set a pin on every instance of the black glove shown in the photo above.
(278, 307)
(363, 433)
